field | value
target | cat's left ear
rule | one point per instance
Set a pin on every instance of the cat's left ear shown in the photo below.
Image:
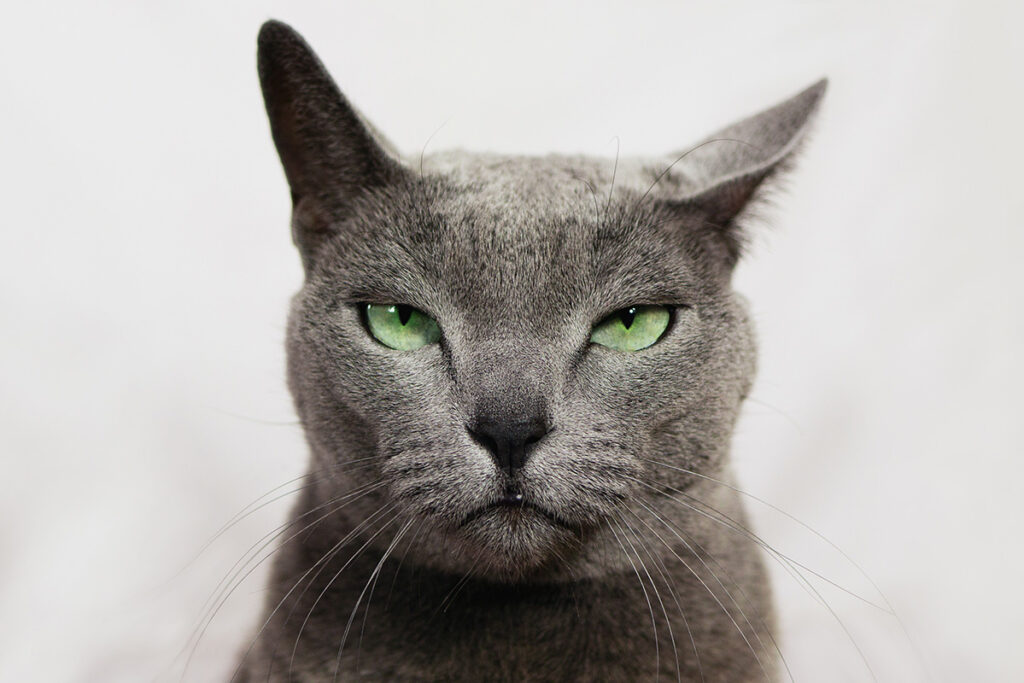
(731, 165)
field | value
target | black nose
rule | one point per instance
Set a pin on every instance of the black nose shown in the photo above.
(509, 442)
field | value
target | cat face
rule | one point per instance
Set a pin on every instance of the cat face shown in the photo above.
(515, 301)
(509, 435)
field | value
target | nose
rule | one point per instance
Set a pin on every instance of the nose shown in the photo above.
(509, 441)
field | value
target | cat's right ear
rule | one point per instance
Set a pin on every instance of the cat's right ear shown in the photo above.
(329, 153)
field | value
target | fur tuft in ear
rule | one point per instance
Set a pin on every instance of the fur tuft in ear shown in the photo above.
(329, 153)
(730, 166)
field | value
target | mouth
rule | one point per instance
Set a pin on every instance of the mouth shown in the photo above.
(515, 503)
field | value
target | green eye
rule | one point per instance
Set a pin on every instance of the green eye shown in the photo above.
(401, 327)
(631, 329)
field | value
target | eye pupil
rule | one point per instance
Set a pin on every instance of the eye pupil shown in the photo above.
(627, 316)
(404, 313)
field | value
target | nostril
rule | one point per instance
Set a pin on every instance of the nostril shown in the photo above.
(483, 438)
(535, 436)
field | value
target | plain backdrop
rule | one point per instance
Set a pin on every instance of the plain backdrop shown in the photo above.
(146, 266)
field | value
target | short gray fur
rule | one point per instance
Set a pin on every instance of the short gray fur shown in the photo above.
(622, 566)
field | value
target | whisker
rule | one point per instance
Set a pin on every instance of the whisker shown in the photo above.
(590, 186)
(615, 170)
(401, 561)
(683, 156)
(373, 586)
(270, 537)
(657, 593)
(888, 608)
(246, 511)
(792, 566)
(789, 565)
(808, 586)
(729, 523)
(663, 571)
(348, 625)
(221, 593)
(326, 557)
(778, 411)
(697, 576)
(450, 595)
(698, 554)
(750, 603)
(650, 607)
(424, 149)
(353, 533)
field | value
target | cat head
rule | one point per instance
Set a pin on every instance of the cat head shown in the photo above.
(505, 354)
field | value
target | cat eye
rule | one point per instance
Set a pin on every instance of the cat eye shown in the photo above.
(632, 329)
(401, 327)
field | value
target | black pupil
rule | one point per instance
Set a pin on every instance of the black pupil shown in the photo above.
(404, 313)
(626, 316)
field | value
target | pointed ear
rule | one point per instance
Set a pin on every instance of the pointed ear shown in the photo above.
(329, 153)
(733, 163)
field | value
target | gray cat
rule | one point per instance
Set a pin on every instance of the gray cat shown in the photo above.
(518, 378)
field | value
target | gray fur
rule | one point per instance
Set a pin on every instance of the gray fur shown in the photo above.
(516, 258)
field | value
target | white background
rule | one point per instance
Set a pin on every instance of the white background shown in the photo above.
(145, 268)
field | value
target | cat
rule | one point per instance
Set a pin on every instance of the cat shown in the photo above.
(518, 379)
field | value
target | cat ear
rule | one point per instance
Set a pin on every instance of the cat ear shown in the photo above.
(329, 153)
(732, 164)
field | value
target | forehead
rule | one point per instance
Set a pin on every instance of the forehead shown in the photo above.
(527, 236)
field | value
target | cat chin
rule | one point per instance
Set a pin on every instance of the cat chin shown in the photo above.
(508, 544)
